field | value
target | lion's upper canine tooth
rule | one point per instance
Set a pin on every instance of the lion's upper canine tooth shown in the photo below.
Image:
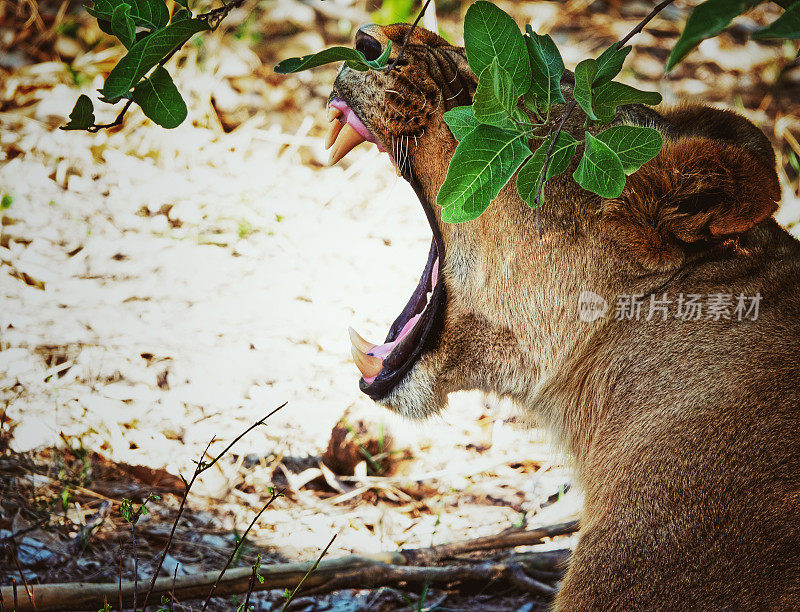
(369, 366)
(333, 113)
(336, 127)
(346, 141)
(362, 345)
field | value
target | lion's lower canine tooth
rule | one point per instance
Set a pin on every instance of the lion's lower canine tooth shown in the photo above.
(346, 141)
(369, 366)
(362, 345)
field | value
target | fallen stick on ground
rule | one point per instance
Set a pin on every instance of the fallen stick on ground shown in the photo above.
(362, 571)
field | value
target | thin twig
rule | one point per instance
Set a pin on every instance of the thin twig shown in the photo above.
(13, 552)
(135, 566)
(118, 121)
(272, 498)
(308, 573)
(121, 604)
(507, 539)
(172, 591)
(215, 17)
(199, 469)
(542, 178)
(408, 37)
(251, 584)
(33, 527)
(659, 7)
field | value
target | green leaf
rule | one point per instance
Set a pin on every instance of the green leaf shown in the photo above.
(494, 98)
(489, 32)
(181, 14)
(611, 95)
(531, 173)
(600, 169)
(634, 145)
(150, 14)
(122, 25)
(585, 73)
(609, 64)
(147, 53)
(707, 20)
(381, 61)
(547, 67)
(82, 115)
(484, 161)
(461, 121)
(355, 60)
(160, 99)
(785, 26)
(101, 9)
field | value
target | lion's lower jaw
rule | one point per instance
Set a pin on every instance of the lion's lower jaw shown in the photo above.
(415, 397)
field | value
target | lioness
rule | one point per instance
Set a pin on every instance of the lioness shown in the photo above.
(683, 419)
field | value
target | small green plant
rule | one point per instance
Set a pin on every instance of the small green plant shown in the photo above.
(72, 473)
(132, 514)
(6, 201)
(244, 229)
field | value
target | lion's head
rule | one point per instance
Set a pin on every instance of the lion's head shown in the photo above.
(496, 308)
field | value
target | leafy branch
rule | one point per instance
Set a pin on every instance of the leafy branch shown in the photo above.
(510, 129)
(152, 36)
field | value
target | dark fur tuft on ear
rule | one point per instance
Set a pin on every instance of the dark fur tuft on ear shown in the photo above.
(696, 192)
(724, 125)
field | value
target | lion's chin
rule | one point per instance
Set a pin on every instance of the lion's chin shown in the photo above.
(414, 397)
(384, 366)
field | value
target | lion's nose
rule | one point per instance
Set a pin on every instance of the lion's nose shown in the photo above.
(368, 45)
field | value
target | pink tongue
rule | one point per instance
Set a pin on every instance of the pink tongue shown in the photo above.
(383, 350)
(349, 117)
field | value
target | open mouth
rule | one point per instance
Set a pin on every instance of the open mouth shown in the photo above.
(383, 366)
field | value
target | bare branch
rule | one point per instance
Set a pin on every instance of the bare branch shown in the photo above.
(308, 573)
(199, 469)
(272, 498)
(640, 26)
(393, 65)
(361, 571)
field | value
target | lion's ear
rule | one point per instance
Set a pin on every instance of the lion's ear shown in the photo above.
(696, 191)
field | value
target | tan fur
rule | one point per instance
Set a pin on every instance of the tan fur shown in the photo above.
(685, 435)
